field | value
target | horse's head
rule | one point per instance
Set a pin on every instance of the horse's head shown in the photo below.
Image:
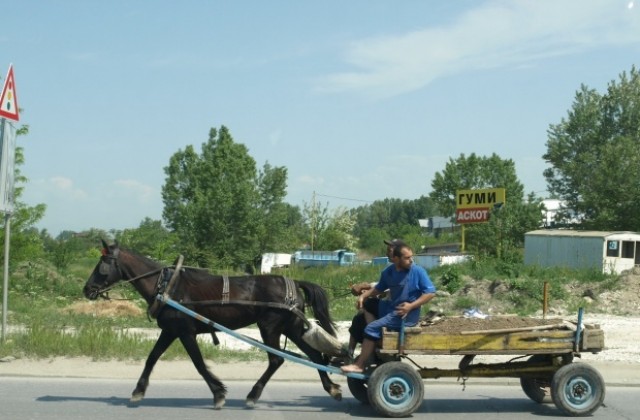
(105, 274)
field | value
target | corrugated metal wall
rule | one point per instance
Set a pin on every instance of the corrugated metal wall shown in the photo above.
(564, 251)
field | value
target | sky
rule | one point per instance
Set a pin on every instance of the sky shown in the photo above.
(360, 100)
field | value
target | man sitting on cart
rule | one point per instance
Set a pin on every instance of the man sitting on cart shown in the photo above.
(369, 309)
(409, 288)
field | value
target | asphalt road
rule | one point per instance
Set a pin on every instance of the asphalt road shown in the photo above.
(72, 398)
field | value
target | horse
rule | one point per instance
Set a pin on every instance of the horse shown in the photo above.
(276, 304)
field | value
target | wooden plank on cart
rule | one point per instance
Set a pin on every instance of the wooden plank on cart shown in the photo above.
(592, 339)
(547, 342)
(501, 335)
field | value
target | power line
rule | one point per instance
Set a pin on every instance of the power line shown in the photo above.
(344, 198)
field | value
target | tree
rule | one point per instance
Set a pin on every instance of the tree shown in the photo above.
(506, 228)
(595, 155)
(150, 238)
(26, 242)
(391, 218)
(274, 233)
(217, 202)
(338, 233)
(316, 220)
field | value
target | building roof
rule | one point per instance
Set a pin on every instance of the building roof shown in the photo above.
(577, 233)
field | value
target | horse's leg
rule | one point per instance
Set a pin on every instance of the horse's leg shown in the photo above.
(331, 387)
(163, 343)
(217, 388)
(271, 339)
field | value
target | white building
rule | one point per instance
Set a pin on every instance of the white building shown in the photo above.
(552, 207)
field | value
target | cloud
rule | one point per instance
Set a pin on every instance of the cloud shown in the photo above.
(129, 187)
(63, 185)
(494, 35)
(310, 181)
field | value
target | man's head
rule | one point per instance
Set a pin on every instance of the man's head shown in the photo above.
(391, 245)
(402, 257)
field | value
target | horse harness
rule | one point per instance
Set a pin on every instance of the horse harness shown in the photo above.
(169, 278)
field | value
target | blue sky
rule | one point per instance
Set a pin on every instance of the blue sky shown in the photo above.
(361, 100)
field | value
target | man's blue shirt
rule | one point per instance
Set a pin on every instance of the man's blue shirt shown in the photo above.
(405, 286)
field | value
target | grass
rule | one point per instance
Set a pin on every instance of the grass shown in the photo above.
(44, 302)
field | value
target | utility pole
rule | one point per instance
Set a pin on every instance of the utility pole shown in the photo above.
(313, 217)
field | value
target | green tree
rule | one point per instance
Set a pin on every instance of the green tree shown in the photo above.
(150, 238)
(338, 233)
(217, 202)
(391, 218)
(25, 240)
(504, 233)
(274, 234)
(594, 155)
(315, 218)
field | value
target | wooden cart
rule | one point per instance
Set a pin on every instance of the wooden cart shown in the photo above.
(541, 356)
(395, 388)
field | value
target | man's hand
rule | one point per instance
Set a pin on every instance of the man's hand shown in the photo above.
(403, 309)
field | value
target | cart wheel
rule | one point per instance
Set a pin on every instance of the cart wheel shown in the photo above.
(577, 389)
(395, 389)
(538, 389)
(358, 388)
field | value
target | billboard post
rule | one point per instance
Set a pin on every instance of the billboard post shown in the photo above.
(475, 206)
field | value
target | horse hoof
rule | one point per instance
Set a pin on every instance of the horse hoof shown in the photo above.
(136, 397)
(250, 403)
(218, 402)
(336, 393)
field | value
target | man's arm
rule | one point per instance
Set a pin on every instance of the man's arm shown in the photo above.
(373, 292)
(359, 288)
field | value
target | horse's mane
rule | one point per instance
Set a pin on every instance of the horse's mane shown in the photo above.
(145, 258)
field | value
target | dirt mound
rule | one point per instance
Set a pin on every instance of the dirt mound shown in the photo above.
(495, 297)
(454, 325)
(106, 308)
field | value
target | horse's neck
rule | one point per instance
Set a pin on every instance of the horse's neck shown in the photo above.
(144, 284)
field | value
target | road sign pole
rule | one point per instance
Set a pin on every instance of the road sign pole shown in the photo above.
(8, 109)
(5, 285)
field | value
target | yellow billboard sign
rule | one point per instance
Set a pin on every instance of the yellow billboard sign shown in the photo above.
(474, 206)
(476, 199)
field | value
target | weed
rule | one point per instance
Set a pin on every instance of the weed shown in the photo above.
(450, 278)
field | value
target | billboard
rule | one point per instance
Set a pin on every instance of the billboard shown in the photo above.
(475, 206)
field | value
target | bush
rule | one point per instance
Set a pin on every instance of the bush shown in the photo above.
(450, 278)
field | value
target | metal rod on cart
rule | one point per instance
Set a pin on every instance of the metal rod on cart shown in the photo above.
(545, 299)
(255, 343)
(578, 330)
(401, 338)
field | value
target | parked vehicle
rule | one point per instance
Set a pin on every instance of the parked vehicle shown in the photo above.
(307, 258)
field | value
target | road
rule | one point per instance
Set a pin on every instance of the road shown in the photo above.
(72, 398)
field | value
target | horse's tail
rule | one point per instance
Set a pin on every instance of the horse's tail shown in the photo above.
(317, 298)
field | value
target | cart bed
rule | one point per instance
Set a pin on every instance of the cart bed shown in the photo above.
(495, 335)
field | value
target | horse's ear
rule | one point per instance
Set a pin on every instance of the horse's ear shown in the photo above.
(104, 245)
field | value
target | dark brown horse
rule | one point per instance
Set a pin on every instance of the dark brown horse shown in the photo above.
(232, 302)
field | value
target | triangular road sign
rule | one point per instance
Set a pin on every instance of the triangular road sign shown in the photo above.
(9, 99)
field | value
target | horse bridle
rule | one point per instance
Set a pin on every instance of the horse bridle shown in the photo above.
(105, 269)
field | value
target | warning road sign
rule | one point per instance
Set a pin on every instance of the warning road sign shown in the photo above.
(9, 99)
